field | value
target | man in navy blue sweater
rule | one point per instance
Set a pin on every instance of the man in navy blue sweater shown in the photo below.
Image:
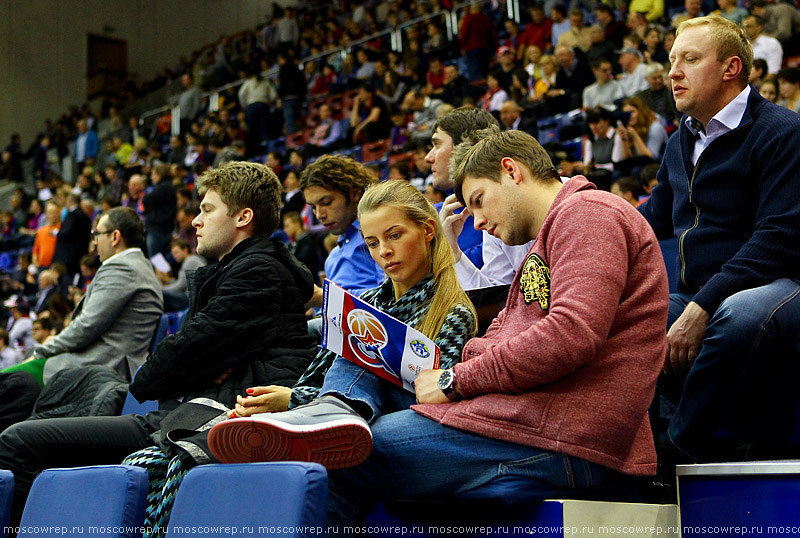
(728, 188)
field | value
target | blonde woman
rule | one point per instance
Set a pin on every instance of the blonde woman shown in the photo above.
(547, 82)
(404, 236)
(533, 56)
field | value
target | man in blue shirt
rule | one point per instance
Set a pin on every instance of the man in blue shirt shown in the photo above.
(333, 185)
(481, 260)
(86, 146)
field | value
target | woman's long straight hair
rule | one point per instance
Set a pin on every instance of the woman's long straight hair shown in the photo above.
(447, 290)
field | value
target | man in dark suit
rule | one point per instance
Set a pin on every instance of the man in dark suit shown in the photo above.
(511, 119)
(72, 241)
(302, 243)
(48, 287)
(456, 87)
(573, 76)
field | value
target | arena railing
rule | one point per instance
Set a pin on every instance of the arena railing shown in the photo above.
(396, 42)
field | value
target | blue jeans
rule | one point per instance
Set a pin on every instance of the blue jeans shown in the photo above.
(352, 383)
(157, 242)
(417, 456)
(291, 111)
(749, 335)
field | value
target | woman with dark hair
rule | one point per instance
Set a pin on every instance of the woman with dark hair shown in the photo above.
(394, 88)
(495, 95)
(789, 88)
(521, 88)
(758, 73)
(639, 133)
(769, 90)
(652, 46)
(640, 139)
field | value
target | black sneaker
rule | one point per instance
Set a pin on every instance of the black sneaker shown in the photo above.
(325, 431)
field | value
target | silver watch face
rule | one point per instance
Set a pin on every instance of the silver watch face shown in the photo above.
(445, 380)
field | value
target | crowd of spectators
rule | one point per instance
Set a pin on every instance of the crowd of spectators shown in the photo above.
(591, 81)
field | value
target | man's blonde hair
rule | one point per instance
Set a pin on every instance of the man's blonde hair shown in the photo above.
(479, 156)
(729, 38)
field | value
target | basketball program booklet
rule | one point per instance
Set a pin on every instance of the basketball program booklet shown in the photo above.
(374, 340)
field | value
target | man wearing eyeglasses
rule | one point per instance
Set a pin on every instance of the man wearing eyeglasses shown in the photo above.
(115, 321)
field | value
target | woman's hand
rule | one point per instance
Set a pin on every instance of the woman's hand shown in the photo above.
(262, 400)
(623, 133)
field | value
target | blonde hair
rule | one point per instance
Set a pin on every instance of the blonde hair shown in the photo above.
(548, 59)
(447, 291)
(729, 38)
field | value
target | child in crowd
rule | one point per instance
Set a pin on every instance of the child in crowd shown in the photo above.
(627, 188)
(405, 237)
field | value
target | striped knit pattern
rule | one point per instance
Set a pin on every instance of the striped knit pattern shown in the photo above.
(164, 477)
(410, 309)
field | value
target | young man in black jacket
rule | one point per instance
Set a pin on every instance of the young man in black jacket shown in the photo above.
(245, 327)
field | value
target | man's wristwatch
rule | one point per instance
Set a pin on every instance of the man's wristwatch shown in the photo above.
(447, 384)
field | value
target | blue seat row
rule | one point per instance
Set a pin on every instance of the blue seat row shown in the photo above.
(213, 501)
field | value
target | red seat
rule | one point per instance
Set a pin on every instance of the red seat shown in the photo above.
(407, 156)
(297, 139)
(374, 151)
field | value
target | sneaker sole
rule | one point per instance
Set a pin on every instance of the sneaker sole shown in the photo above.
(335, 446)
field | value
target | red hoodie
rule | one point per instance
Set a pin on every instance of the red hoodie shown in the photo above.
(570, 364)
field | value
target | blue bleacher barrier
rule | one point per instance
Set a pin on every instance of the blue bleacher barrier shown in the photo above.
(6, 494)
(548, 130)
(574, 148)
(111, 497)
(288, 496)
(550, 518)
(278, 145)
(739, 499)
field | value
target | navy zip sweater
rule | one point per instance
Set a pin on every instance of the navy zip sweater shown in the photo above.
(736, 214)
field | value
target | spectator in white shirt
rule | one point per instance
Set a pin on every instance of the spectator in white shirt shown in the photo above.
(764, 46)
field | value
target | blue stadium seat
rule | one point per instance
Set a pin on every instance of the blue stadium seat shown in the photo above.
(278, 144)
(161, 331)
(574, 148)
(548, 130)
(291, 496)
(175, 320)
(6, 263)
(70, 502)
(133, 407)
(6, 494)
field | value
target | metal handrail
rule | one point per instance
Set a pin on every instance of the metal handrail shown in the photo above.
(451, 28)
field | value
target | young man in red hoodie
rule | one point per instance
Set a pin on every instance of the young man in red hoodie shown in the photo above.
(556, 394)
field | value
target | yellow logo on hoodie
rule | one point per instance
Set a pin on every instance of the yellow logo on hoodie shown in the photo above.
(535, 281)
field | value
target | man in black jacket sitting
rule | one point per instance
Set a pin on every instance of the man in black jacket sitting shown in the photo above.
(245, 327)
